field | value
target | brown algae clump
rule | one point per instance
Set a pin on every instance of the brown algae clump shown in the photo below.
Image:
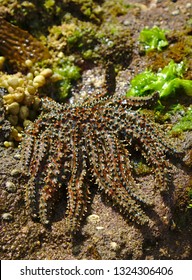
(18, 45)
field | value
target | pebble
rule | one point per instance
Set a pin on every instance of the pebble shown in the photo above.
(30, 82)
(10, 90)
(36, 73)
(7, 216)
(175, 13)
(36, 103)
(188, 6)
(126, 22)
(56, 77)
(60, 55)
(19, 128)
(27, 123)
(16, 135)
(4, 84)
(21, 81)
(10, 187)
(28, 99)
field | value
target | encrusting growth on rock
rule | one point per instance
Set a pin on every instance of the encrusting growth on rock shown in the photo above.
(71, 147)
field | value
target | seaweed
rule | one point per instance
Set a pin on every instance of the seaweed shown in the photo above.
(69, 73)
(166, 81)
(185, 122)
(153, 39)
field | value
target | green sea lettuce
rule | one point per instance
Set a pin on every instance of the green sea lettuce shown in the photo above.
(153, 39)
(165, 81)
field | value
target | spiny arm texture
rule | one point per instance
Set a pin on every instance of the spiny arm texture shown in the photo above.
(74, 146)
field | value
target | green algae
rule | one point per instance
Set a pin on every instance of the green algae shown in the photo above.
(179, 49)
(190, 197)
(185, 123)
(153, 39)
(140, 168)
(166, 81)
(82, 38)
(49, 4)
(116, 8)
(170, 84)
(69, 73)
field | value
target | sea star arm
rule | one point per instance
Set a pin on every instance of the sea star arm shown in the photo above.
(78, 189)
(106, 165)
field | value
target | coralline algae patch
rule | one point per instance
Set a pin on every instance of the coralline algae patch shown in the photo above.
(20, 93)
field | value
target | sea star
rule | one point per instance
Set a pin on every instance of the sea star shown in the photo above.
(74, 146)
